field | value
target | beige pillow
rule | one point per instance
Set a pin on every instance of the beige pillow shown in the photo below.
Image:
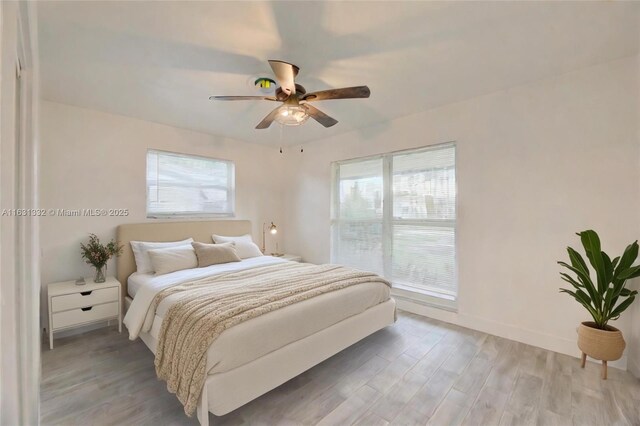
(214, 254)
(171, 259)
(245, 247)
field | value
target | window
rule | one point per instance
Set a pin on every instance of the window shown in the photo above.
(395, 215)
(188, 185)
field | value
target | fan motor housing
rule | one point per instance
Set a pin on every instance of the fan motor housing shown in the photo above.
(300, 90)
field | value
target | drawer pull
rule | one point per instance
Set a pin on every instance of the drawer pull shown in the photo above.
(87, 309)
(86, 293)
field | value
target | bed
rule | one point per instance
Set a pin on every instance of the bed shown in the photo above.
(255, 356)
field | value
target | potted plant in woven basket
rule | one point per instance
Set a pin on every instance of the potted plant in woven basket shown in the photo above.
(605, 299)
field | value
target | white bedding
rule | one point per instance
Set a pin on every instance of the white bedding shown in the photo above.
(259, 336)
(150, 285)
(137, 280)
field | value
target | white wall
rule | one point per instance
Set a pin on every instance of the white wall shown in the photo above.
(92, 159)
(19, 281)
(536, 163)
(633, 341)
(9, 367)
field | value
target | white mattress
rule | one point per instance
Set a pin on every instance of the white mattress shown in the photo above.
(259, 336)
(137, 280)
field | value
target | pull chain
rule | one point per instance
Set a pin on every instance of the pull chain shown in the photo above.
(282, 140)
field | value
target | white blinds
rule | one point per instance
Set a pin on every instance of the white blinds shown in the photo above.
(424, 185)
(395, 215)
(184, 185)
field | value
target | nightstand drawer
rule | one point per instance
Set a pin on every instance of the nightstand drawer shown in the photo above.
(84, 315)
(84, 299)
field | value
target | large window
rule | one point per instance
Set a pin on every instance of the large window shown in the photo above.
(188, 185)
(395, 214)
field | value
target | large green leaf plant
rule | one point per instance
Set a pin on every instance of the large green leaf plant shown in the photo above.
(608, 297)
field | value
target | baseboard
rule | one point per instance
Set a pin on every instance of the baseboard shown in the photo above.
(633, 367)
(529, 337)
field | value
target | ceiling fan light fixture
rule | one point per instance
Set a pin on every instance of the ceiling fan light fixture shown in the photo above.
(292, 115)
(287, 91)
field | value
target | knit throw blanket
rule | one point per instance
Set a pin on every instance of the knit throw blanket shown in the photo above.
(207, 307)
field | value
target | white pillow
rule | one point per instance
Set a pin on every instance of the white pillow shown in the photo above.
(141, 252)
(245, 247)
(172, 259)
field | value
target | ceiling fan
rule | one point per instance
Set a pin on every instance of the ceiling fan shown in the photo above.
(296, 108)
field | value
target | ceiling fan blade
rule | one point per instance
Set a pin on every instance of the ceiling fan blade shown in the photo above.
(285, 74)
(266, 122)
(320, 116)
(242, 98)
(344, 93)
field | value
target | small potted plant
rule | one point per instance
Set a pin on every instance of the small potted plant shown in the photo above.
(97, 254)
(605, 299)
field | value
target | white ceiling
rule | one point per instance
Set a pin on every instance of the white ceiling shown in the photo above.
(160, 61)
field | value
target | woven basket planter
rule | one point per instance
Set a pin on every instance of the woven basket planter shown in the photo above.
(604, 345)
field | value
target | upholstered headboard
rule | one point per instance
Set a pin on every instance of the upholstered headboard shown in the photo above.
(169, 231)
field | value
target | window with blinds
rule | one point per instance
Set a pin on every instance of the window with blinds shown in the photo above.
(189, 185)
(395, 215)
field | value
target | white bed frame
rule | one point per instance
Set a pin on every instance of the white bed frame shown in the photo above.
(224, 392)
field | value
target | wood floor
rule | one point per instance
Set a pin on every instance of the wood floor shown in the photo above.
(417, 372)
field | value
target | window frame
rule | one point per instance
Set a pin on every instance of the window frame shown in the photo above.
(439, 299)
(231, 188)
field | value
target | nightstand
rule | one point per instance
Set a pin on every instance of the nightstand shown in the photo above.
(292, 257)
(72, 305)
